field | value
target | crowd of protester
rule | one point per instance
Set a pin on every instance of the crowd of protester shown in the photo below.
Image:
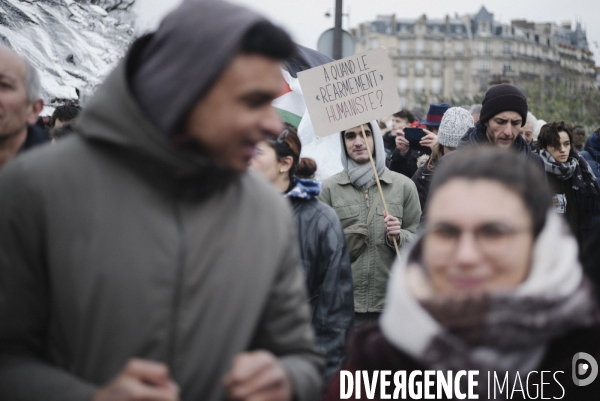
(168, 240)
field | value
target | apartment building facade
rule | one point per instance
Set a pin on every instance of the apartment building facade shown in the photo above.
(456, 59)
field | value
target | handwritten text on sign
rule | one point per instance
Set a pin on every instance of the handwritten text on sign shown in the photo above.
(349, 92)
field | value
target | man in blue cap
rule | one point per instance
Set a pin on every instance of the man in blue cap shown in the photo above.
(404, 159)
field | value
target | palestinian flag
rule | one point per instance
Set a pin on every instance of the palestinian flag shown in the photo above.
(292, 109)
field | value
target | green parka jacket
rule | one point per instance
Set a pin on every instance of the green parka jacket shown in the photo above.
(370, 271)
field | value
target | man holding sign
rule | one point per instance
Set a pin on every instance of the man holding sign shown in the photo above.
(379, 209)
(370, 233)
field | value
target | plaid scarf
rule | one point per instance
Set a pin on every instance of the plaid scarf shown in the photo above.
(577, 168)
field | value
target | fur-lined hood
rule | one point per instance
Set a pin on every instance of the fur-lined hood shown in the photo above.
(422, 160)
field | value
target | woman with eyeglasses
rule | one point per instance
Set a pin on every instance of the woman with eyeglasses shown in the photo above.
(493, 285)
(323, 250)
(574, 188)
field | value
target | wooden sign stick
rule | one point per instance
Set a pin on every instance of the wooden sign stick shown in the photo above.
(378, 183)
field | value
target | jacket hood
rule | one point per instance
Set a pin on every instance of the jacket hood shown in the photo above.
(477, 136)
(184, 57)
(113, 119)
(593, 145)
(304, 188)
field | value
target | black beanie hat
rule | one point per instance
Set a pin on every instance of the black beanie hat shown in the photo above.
(503, 97)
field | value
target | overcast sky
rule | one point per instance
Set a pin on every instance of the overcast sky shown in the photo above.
(305, 19)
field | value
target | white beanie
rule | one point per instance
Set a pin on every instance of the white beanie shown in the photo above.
(455, 124)
(537, 127)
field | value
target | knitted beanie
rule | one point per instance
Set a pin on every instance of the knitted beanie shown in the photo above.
(455, 124)
(503, 97)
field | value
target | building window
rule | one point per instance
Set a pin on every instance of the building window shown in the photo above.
(483, 84)
(403, 47)
(458, 29)
(458, 85)
(506, 66)
(436, 67)
(458, 66)
(436, 47)
(484, 48)
(419, 67)
(374, 43)
(436, 85)
(484, 65)
(403, 28)
(418, 85)
(419, 46)
(402, 67)
(507, 49)
(403, 84)
(459, 47)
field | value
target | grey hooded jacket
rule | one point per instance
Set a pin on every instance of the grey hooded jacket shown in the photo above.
(115, 244)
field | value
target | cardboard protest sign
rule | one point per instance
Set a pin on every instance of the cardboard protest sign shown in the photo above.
(350, 91)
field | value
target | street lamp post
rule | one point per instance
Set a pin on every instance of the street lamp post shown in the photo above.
(337, 33)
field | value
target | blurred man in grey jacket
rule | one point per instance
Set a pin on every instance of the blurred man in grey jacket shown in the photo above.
(137, 260)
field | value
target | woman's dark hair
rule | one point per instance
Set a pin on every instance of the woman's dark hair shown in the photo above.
(288, 144)
(515, 171)
(64, 113)
(405, 114)
(549, 134)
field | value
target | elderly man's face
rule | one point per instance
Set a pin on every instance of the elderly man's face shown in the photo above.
(236, 114)
(16, 112)
(527, 131)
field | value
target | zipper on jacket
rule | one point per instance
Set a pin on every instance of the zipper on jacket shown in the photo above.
(177, 291)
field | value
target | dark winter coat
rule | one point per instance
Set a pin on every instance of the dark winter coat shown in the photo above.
(369, 350)
(477, 136)
(579, 213)
(327, 271)
(575, 217)
(406, 165)
(590, 256)
(591, 153)
(389, 143)
(422, 179)
(35, 137)
(117, 244)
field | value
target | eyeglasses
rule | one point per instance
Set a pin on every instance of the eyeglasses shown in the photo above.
(492, 239)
